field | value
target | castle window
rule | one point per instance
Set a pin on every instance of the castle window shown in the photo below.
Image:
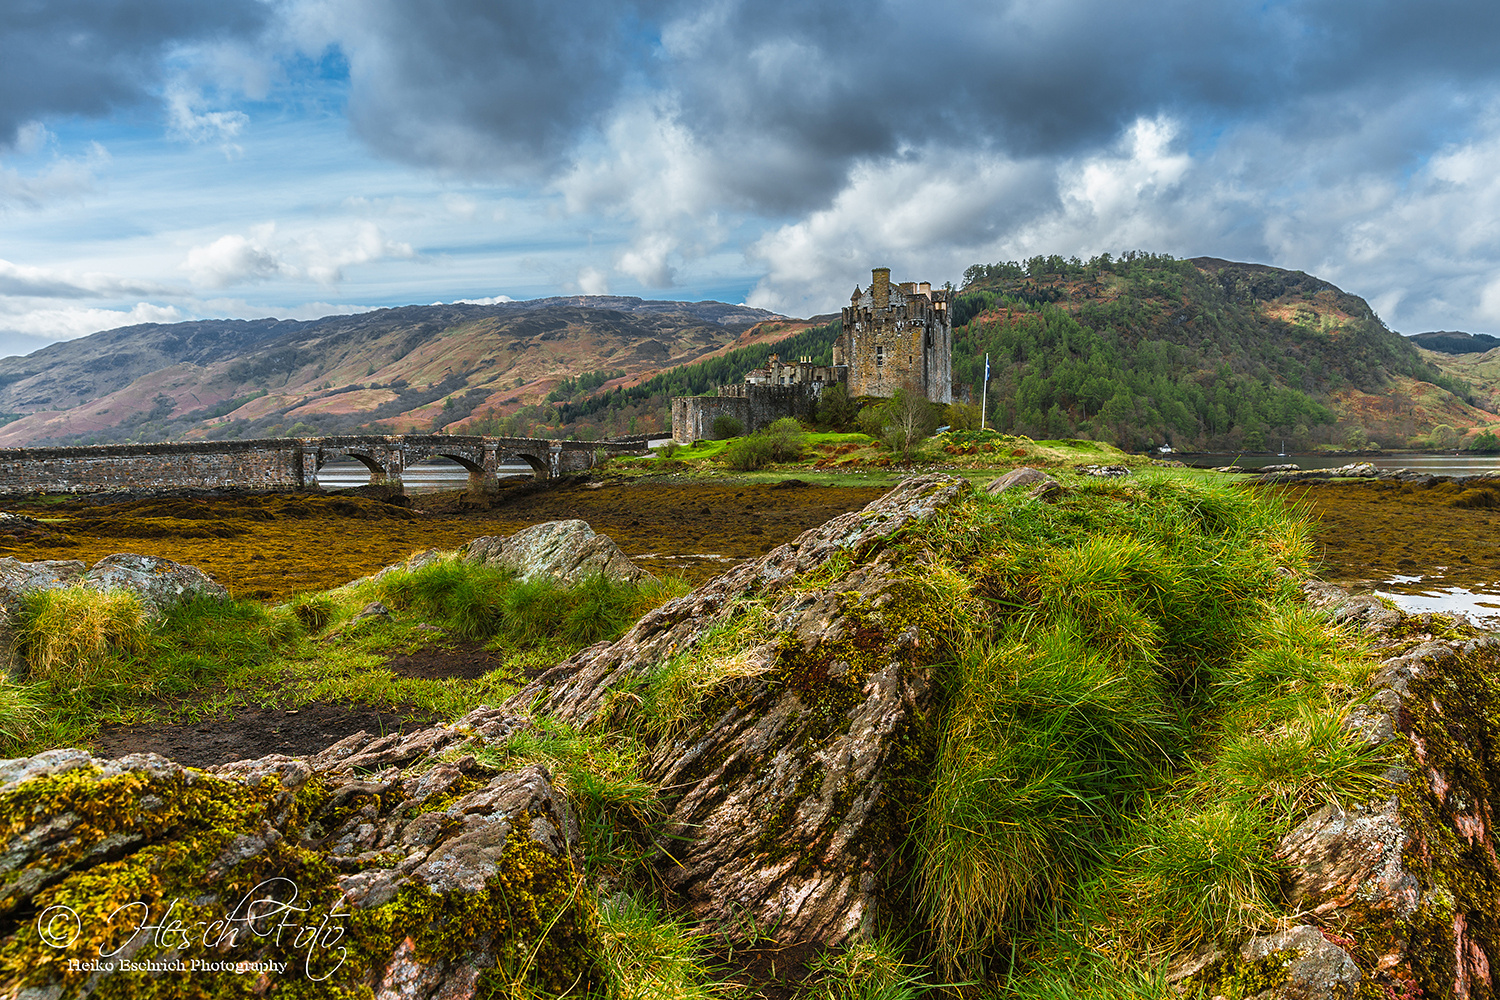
(879, 356)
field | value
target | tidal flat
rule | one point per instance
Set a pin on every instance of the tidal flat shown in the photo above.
(269, 546)
(1373, 531)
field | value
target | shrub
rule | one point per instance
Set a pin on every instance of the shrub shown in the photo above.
(907, 421)
(748, 454)
(787, 439)
(836, 410)
(726, 426)
(963, 417)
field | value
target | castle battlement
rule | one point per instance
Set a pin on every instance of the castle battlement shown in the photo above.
(893, 337)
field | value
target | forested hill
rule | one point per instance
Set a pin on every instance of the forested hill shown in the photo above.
(1204, 354)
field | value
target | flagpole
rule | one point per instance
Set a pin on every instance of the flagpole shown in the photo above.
(984, 396)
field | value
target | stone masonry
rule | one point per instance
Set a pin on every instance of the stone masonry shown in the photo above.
(897, 337)
(893, 337)
(285, 463)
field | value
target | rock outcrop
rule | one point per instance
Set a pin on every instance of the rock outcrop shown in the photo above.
(1401, 891)
(565, 552)
(395, 864)
(789, 780)
(159, 583)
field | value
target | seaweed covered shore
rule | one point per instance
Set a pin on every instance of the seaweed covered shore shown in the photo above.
(1087, 738)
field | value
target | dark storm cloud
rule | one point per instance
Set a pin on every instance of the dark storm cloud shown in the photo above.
(89, 57)
(807, 89)
(488, 86)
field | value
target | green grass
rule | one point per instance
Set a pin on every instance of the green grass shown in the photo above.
(866, 461)
(87, 659)
(650, 955)
(1147, 707)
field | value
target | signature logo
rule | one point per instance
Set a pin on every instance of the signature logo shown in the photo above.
(267, 914)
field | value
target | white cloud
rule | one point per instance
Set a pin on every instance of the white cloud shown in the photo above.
(185, 121)
(325, 260)
(61, 179)
(262, 255)
(926, 216)
(235, 260)
(31, 137)
(51, 323)
(592, 281)
(42, 282)
(493, 300)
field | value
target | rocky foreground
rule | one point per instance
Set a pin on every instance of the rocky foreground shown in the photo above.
(408, 866)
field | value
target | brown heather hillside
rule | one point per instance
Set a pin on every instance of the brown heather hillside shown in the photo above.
(421, 368)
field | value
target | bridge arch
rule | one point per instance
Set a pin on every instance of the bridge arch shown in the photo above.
(380, 471)
(541, 464)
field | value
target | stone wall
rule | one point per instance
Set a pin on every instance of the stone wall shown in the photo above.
(754, 406)
(252, 464)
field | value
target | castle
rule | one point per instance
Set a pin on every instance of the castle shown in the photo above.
(892, 337)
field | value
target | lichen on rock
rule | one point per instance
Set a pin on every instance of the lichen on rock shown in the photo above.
(138, 877)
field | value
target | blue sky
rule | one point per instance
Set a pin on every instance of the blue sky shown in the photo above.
(172, 159)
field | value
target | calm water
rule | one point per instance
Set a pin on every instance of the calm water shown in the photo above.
(428, 477)
(1432, 463)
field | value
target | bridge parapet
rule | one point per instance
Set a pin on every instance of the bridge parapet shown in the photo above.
(287, 463)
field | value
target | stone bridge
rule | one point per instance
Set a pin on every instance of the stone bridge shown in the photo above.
(289, 463)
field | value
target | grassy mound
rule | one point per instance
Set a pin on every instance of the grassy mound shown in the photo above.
(1135, 705)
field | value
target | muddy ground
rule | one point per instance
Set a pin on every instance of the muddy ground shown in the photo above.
(252, 733)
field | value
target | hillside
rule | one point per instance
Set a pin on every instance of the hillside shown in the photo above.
(1452, 342)
(1204, 354)
(416, 367)
(1479, 370)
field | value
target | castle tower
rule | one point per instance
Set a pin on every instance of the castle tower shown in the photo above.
(897, 337)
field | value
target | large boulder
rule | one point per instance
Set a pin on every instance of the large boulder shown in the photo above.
(395, 866)
(565, 552)
(159, 583)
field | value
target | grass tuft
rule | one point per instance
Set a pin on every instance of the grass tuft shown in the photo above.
(867, 969)
(649, 955)
(77, 636)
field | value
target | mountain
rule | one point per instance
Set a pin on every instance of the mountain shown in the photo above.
(459, 367)
(1204, 354)
(1450, 342)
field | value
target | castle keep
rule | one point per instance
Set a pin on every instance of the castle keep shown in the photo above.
(897, 337)
(893, 337)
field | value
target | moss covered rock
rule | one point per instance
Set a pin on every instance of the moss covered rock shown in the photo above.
(286, 877)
